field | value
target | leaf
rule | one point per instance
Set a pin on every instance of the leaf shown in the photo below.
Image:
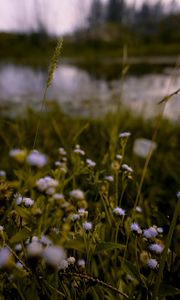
(20, 236)
(107, 246)
(133, 270)
(77, 244)
(24, 213)
(168, 290)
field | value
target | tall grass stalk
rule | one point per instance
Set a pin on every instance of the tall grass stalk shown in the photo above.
(51, 70)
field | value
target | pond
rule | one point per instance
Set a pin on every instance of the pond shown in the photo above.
(79, 93)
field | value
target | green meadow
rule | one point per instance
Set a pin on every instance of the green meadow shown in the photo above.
(83, 215)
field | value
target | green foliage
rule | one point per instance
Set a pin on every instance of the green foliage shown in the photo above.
(115, 257)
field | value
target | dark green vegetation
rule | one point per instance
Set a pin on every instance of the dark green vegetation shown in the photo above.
(113, 254)
(96, 137)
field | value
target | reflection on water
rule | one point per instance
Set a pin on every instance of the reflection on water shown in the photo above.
(79, 93)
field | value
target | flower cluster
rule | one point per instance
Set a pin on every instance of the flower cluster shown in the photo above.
(47, 184)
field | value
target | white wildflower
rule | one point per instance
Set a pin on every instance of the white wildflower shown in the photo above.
(157, 248)
(58, 196)
(119, 157)
(34, 249)
(35, 239)
(87, 226)
(135, 228)
(74, 217)
(54, 256)
(19, 265)
(81, 263)
(79, 150)
(142, 147)
(151, 232)
(127, 168)
(82, 212)
(152, 263)
(2, 173)
(62, 151)
(109, 178)
(18, 154)
(119, 211)
(1, 228)
(18, 247)
(71, 260)
(28, 202)
(124, 134)
(37, 159)
(160, 230)
(5, 257)
(45, 241)
(43, 184)
(138, 209)
(63, 265)
(18, 199)
(77, 194)
(50, 191)
(178, 194)
(90, 162)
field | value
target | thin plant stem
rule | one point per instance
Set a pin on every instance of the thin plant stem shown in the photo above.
(95, 280)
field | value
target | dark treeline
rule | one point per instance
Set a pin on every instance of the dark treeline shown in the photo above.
(149, 22)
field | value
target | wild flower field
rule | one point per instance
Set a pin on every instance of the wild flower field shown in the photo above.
(83, 216)
(86, 213)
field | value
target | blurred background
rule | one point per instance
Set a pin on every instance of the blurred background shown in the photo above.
(114, 52)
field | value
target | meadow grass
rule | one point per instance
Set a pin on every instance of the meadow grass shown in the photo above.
(83, 216)
(82, 199)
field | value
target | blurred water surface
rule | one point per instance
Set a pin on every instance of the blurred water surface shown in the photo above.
(79, 93)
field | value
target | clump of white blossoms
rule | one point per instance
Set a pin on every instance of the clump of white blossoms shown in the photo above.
(87, 226)
(18, 199)
(74, 217)
(138, 209)
(178, 194)
(127, 168)
(37, 159)
(157, 248)
(160, 230)
(82, 212)
(58, 196)
(78, 150)
(135, 228)
(124, 134)
(77, 194)
(81, 263)
(54, 256)
(62, 151)
(18, 247)
(119, 156)
(5, 257)
(34, 249)
(90, 162)
(71, 260)
(149, 233)
(152, 263)
(63, 265)
(46, 183)
(109, 178)
(2, 173)
(18, 154)
(119, 211)
(28, 202)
